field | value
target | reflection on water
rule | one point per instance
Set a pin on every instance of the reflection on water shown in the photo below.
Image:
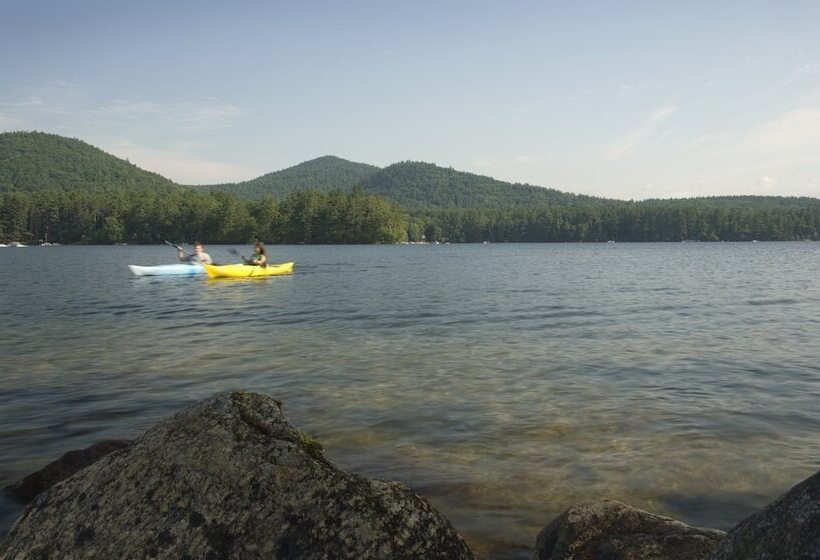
(502, 382)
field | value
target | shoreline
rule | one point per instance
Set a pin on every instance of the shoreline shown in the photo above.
(606, 519)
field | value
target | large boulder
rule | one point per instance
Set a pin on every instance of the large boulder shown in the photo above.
(58, 470)
(228, 478)
(788, 528)
(611, 530)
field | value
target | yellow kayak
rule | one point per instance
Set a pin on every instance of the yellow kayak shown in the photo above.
(246, 270)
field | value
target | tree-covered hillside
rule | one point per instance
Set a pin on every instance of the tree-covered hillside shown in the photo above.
(62, 190)
(417, 185)
(36, 161)
(321, 174)
(414, 185)
(59, 189)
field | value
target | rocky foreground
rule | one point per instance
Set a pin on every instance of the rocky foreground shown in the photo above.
(231, 478)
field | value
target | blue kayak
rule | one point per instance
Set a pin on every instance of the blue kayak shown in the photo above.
(167, 270)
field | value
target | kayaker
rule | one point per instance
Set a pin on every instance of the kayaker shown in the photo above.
(197, 257)
(260, 257)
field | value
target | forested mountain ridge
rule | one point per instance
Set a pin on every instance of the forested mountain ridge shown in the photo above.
(417, 185)
(63, 190)
(412, 184)
(325, 173)
(37, 161)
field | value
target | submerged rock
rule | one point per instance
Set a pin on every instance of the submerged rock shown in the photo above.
(228, 478)
(788, 528)
(66, 465)
(611, 530)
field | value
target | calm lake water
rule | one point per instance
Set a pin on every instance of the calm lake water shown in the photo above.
(502, 382)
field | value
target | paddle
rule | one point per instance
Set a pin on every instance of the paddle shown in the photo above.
(189, 257)
(235, 252)
(177, 247)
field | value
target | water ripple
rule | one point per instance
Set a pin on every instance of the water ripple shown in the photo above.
(503, 382)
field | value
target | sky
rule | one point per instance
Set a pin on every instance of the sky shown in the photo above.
(622, 99)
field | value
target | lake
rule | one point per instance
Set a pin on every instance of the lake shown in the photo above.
(502, 382)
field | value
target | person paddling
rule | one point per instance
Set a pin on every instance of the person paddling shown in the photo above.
(199, 256)
(260, 257)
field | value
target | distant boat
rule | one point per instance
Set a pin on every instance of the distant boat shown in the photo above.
(16, 244)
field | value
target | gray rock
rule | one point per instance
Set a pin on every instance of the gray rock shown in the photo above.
(787, 529)
(611, 530)
(66, 465)
(228, 478)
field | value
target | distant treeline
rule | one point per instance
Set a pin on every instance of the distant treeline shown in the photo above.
(627, 221)
(145, 216)
(148, 216)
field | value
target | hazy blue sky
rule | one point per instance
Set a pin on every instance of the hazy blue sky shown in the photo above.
(620, 99)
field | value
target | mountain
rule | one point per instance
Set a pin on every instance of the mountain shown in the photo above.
(64, 190)
(36, 161)
(322, 174)
(412, 184)
(424, 185)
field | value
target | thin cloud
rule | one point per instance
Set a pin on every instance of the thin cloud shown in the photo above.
(178, 166)
(197, 115)
(767, 184)
(795, 132)
(710, 142)
(629, 143)
(662, 113)
(791, 136)
(627, 89)
(528, 159)
(60, 105)
(748, 175)
(625, 145)
(10, 122)
(813, 68)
